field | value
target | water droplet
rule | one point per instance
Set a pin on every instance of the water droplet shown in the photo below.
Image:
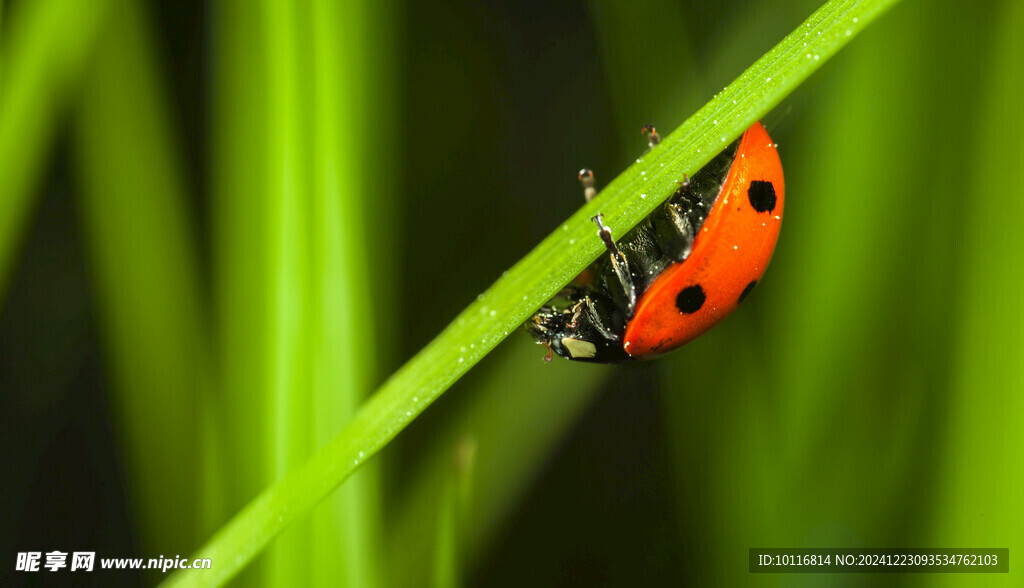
(492, 313)
(361, 455)
(461, 360)
(642, 196)
(855, 19)
(768, 79)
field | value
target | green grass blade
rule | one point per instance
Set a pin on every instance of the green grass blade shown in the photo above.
(2, 36)
(241, 246)
(445, 543)
(982, 480)
(456, 490)
(532, 281)
(239, 237)
(296, 144)
(146, 274)
(510, 451)
(42, 56)
(347, 144)
(287, 321)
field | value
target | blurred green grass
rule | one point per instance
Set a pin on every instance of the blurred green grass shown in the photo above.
(43, 56)
(367, 169)
(154, 315)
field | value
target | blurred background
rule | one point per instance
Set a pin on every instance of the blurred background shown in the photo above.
(223, 224)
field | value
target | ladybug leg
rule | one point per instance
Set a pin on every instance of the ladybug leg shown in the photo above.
(547, 356)
(653, 138)
(625, 295)
(673, 231)
(586, 177)
(673, 227)
(586, 316)
(683, 193)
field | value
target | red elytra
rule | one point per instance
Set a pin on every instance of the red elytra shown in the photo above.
(730, 253)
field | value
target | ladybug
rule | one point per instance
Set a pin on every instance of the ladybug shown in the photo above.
(681, 270)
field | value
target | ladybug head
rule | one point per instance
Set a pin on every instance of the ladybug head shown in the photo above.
(573, 334)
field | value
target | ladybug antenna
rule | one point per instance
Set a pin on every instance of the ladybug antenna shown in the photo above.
(605, 233)
(653, 138)
(586, 178)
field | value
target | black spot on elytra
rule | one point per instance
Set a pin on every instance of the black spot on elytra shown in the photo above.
(746, 291)
(762, 196)
(690, 299)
